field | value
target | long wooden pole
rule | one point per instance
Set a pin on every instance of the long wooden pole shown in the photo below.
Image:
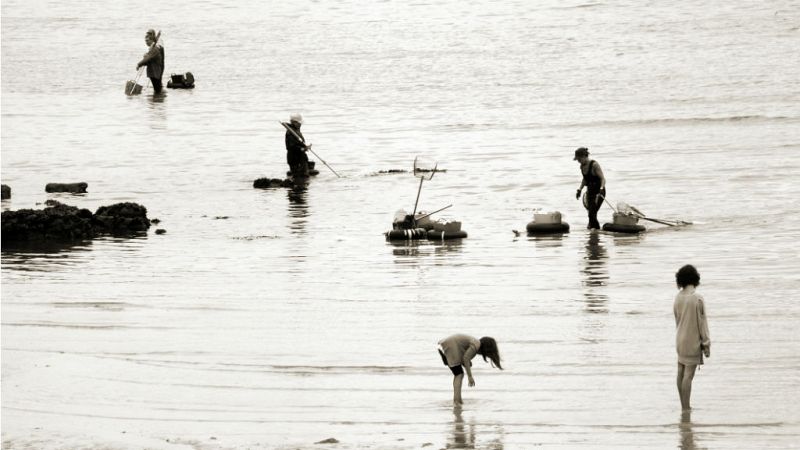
(308, 147)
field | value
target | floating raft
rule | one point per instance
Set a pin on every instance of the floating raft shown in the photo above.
(624, 223)
(547, 228)
(440, 230)
(547, 223)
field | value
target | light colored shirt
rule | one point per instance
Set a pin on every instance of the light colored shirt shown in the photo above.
(691, 334)
(454, 347)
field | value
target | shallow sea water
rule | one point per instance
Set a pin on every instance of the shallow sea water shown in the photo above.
(280, 318)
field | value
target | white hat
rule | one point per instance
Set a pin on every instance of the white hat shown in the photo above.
(296, 117)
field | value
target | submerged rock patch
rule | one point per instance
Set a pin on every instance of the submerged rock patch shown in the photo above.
(63, 223)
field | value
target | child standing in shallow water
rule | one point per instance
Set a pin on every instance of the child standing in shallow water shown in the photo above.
(692, 340)
(457, 352)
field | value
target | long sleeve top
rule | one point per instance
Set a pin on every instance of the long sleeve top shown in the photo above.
(691, 335)
(457, 346)
(154, 60)
(294, 145)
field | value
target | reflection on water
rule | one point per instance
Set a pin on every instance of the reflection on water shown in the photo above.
(43, 256)
(409, 252)
(298, 206)
(595, 274)
(464, 436)
(547, 240)
(157, 111)
(686, 432)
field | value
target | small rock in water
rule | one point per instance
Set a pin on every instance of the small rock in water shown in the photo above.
(328, 441)
(75, 188)
(6, 191)
(266, 183)
(161, 231)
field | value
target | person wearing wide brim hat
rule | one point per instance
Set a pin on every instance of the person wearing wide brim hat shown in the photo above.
(595, 183)
(153, 59)
(296, 155)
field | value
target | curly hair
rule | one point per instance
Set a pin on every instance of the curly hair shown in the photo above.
(489, 350)
(687, 276)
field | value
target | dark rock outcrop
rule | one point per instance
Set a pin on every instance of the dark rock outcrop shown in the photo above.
(63, 223)
(121, 218)
(75, 188)
(6, 191)
(266, 183)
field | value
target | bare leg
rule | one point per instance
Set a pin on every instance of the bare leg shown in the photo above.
(686, 386)
(457, 389)
(680, 382)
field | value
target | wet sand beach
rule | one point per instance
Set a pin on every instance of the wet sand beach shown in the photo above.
(282, 318)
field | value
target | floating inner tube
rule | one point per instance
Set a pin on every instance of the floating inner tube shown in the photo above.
(406, 235)
(547, 228)
(434, 235)
(617, 228)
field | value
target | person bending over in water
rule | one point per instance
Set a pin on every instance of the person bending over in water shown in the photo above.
(457, 352)
(692, 340)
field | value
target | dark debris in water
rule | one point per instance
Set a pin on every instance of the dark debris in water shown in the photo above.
(252, 238)
(328, 441)
(267, 183)
(393, 171)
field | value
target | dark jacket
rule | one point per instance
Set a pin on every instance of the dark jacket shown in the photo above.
(295, 148)
(154, 60)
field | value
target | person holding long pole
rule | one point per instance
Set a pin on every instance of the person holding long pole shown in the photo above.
(595, 183)
(153, 59)
(296, 147)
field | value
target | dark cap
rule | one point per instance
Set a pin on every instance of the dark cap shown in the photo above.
(581, 151)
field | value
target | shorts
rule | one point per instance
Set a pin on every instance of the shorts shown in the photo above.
(457, 370)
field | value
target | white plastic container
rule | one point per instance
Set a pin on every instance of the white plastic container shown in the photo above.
(625, 219)
(547, 217)
(447, 225)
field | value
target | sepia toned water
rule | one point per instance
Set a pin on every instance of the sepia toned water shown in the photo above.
(281, 318)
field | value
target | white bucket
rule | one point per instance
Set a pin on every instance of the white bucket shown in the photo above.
(547, 217)
(447, 225)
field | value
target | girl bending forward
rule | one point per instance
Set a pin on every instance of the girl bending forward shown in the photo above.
(457, 352)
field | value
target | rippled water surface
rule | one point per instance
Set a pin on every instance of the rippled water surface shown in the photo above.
(280, 318)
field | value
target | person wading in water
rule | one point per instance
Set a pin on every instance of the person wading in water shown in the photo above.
(153, 59)
(595, 184)
(296, 148)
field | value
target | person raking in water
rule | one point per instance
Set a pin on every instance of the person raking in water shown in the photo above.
(692, 340)
(595, 184)
(457, 352)
(296, 155)
(153, 59)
